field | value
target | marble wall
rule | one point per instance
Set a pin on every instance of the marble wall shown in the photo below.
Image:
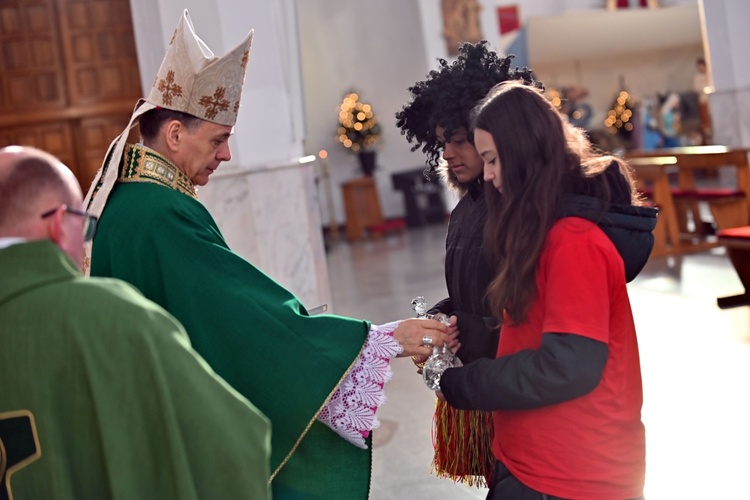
(271, 217)
(730, 114)
(727, 38)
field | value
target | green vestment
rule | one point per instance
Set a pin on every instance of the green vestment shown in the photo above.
(252, 331)
(122, 406)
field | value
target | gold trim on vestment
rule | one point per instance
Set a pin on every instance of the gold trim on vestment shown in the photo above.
(27, 460)
(3, 459)
(142, 164)
(312, 421)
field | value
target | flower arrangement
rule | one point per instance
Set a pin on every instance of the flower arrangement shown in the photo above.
(358, 130)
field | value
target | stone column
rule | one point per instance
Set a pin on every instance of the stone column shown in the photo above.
(726, 37)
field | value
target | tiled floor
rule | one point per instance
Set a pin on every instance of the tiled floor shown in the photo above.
(695, 362)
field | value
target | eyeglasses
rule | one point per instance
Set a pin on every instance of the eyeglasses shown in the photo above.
(89, 223)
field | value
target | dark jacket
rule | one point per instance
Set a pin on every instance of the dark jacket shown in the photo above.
(467, 276)
(629, 227)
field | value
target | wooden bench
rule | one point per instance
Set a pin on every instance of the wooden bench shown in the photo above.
(727, 207)
(737, 241)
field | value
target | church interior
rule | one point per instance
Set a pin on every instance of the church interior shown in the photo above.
(338, 210)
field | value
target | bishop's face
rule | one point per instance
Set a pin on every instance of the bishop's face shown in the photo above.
(202, 149)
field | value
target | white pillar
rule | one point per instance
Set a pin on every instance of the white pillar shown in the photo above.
(726, 37)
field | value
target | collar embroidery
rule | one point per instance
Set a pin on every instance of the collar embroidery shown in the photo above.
(141, 164)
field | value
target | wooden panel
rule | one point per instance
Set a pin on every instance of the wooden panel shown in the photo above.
(55, 138)
(94, 136)
(100, 47)
(68, 77)
(31, 68)
(80, 144)
(10, 23)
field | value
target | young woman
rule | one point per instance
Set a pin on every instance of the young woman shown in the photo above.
(565, 237)
(437, 119)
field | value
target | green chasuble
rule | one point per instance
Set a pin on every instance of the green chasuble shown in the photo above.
(253, 332)
(102, 396)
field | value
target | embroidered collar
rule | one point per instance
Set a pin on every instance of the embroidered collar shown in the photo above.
(142, 164)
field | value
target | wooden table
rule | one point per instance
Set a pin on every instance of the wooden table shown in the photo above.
(655, 166)
(693, 158)
(655, 170)
(362, 206)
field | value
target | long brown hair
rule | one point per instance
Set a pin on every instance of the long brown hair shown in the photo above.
(542, 157)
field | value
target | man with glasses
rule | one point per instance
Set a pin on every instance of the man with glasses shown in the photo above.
(101, 394)
(89, 224)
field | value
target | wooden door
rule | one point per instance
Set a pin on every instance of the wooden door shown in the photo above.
(68, 77)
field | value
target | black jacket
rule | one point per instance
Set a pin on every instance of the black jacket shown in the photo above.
(629, 227)
(467, 276)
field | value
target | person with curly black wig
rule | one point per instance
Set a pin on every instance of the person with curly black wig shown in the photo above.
(437, 120)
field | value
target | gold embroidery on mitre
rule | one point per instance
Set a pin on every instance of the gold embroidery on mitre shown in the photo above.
(141, 164)
(169, 88)
(208, 85)
(236, 107)
(215, 103)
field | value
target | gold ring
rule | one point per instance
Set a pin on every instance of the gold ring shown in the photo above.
(418, 364)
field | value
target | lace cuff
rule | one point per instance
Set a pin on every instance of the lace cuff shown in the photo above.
(351, 410)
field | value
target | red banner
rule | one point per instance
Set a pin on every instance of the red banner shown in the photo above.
(508, 19)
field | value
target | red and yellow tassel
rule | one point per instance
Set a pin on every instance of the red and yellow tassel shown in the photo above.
(462, 440)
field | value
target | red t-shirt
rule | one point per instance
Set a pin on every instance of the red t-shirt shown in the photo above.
(591, 447)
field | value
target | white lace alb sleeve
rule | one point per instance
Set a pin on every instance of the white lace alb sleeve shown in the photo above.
(351, 410)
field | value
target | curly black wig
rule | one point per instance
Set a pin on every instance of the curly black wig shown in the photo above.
(448, 95)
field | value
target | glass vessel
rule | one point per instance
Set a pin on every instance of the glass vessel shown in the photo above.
(442, 358)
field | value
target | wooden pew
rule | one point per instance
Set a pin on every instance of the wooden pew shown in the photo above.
(730, 208)
(653, 171)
